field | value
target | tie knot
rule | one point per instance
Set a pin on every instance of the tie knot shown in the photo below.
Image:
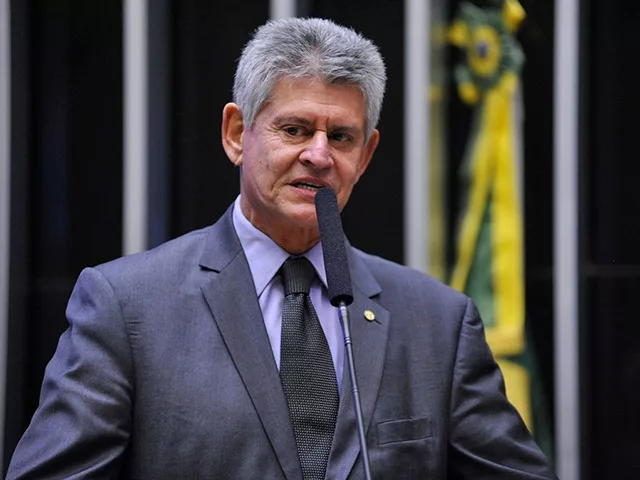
(298, 275)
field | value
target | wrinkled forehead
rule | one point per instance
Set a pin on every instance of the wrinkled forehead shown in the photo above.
(348, 94)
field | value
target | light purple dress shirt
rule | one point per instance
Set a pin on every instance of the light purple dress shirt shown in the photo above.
(265, 258)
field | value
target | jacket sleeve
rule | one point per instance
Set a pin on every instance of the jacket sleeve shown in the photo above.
(488, 439)
(82, 424)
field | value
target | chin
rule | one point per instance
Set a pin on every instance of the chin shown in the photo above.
(302, 213)
(306, 221)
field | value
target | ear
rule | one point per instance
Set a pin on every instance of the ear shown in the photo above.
(367, 153)
(232, 130)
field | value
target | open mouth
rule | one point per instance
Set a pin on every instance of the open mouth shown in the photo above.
(307, 186)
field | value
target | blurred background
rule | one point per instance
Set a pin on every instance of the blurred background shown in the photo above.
(507, 168)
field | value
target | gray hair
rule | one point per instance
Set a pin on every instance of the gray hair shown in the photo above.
(308, 48)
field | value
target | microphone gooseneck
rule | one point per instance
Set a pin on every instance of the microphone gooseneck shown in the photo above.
(340, 294)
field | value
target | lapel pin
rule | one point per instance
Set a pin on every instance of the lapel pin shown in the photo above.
(369, 315)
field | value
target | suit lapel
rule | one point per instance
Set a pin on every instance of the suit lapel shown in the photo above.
(369, 340)
(232, 299)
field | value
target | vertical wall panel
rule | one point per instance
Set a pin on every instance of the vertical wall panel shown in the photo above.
(207, 40)
(566, 247)
(610, 263)
(282, 9)
(159, 121)
(537, 37)
(19, 230)
(136, 126)
(5, 198)
(416, 139)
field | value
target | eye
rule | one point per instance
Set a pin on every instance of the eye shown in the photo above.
(294, 130)
(340, 136)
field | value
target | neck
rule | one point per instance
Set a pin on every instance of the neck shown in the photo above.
(292, 237)
(296, 243)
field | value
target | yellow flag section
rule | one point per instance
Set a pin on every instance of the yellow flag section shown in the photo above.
(493, 185)
(490, 253)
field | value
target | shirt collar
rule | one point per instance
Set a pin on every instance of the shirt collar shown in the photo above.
(264, 256)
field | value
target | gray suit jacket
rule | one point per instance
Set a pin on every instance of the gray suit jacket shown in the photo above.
(166, 372)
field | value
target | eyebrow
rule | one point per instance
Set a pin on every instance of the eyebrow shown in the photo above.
(284, 119)
(293, 119)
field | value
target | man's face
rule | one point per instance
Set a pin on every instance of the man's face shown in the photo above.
(309, 135)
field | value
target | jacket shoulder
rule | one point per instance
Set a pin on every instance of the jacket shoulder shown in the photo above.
(170, 261)
(410, 283)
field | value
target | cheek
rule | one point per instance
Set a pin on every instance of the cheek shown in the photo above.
(257, 162)
(345, 191)
(264, 176)
(350, 173)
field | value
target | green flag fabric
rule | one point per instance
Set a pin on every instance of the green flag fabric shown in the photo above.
(490, 246)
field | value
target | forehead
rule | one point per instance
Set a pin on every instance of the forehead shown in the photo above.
(316, 99)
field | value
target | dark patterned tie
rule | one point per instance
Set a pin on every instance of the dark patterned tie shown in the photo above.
(306, 371)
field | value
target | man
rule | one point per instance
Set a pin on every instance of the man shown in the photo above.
(206, 358)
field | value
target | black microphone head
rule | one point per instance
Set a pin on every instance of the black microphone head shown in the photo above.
(333, 248)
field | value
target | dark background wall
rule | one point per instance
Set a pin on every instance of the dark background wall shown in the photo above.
(67, 175)
(207, 38)
(610, 233)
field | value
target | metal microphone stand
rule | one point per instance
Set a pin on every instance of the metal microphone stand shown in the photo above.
(344, 320)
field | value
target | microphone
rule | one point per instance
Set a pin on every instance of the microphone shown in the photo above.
(334, 252)
(340, 293)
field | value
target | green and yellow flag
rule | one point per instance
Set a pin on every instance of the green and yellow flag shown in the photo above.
(490, 252)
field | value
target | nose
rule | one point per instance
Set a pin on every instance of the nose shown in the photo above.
(316, 152)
